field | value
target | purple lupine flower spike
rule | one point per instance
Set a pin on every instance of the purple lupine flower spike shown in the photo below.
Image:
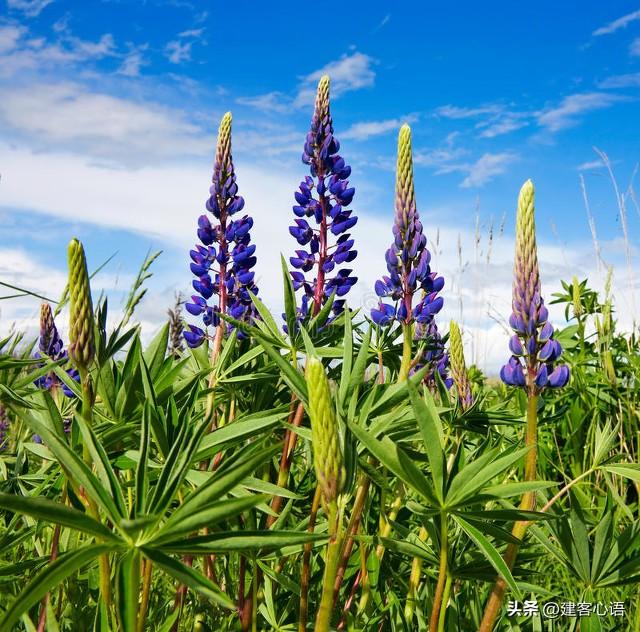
(321, 211)
(434, 356)
(50, 345)
(535, 352)
(408, 258)
(224, 259)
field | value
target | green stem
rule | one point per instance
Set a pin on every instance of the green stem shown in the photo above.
(445, 601)
(407, 343)
(520, 527)
(442, 573)
(414, 580)
(87, 414)
(325, 610)
(146, 591)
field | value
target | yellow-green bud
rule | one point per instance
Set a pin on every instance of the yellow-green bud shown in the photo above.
(327, 453)
(576, 298)
(81, 342)
(458, 366)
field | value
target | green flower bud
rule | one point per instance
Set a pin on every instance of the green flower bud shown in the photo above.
(458, 366)
(81, 342)
(327, 453)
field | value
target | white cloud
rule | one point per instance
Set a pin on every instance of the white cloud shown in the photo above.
(350, 72)
(69, 116)
(590, 165)
(631, 80)
(31, 8)
(132, 63)
(500, 126)
(195, 33)
(269, 102)
(634, 48)
(567, 113)
(618, 24)
(10, 35)
(455, 112)
(367, 129)
(486, 168)
(18, 53)
(178, 52)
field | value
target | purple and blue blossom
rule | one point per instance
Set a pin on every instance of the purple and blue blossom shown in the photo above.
(222, 263)
(322, 199)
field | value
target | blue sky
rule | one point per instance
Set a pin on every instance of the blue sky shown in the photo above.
(109, 111)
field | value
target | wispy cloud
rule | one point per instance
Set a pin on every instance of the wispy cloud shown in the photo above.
(178, 52)
(631, 80)
(18, 52)
(133, 62)
(31, 8)
(367, 129)
(270, 102)
(456, 112)
(568, 112)
(486, 168)
(500, 125)
(634, 48)
(350, 72)
(195, 33)
(382, 23)
(74, 118)
(618, 24)
(590, 165)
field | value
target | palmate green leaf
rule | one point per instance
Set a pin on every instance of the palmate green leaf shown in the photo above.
(356, 379)
(507, 490)
(189, 577)
(430, 428)
(155, 352)
(242, 428)
(490, 553)
(102, 464)
(50, 577)
(396, 461)
(628, 470)
(478, 473)
(241, 541)
(266, 319)
(195, 519)
(245, 358)
(56, 513)
(347, 361)
(128, 584)
(75, 468)
(396, 393)
(293, 378)
(320, 319)
(176, 467)
(219, 484)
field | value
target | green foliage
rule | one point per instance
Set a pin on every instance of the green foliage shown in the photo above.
(182, 506)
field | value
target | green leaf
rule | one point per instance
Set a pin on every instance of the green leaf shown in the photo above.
(628, 470)
(56, 513)
(128, 590)
(289, 298)
(243, 541)
(50, 577)
(432, 438)
(142, 476)
(188, 576)
(490, 553)
(102, 464)
(396, 461)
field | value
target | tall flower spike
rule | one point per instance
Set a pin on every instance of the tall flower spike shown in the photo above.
(534, 350)
(81, 342)
(408, 258)
(323, 197)
(327, 454)
(223, 260)
(458, 366)
(50, 345)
